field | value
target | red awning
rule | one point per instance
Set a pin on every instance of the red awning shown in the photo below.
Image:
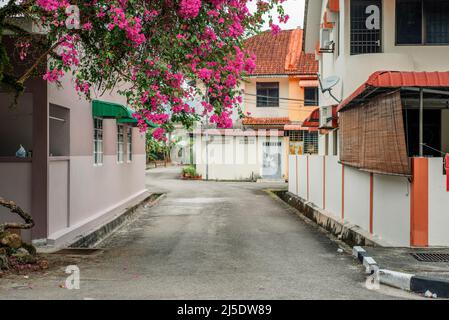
(294, 127)
(313, 120)
(265, 121)
(394, 80)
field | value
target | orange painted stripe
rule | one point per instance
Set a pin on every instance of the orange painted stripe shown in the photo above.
(419, 203)
(324, 182)
(371, 202)
(342, 191)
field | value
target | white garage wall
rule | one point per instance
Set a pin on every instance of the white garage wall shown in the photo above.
(391, 209)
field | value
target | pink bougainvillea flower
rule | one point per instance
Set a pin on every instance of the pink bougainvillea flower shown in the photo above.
(189, 9)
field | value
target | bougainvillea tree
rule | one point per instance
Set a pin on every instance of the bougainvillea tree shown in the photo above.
(150, 47)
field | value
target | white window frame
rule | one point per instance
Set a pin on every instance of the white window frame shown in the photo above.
(120, 143)
(129, 144)
(98, 143)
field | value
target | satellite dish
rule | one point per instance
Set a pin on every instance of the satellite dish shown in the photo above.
(329, 83)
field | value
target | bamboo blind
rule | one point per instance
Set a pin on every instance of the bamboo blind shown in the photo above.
(372, 136)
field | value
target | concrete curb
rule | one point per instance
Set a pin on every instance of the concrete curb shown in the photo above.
(349, 233)
(356, 237)
(431, 287)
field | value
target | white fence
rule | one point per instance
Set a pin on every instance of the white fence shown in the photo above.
(379, 204)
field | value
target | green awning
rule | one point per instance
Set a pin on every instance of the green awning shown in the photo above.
(117, 111)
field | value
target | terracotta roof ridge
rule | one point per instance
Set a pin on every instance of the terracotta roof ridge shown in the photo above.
(294, 50)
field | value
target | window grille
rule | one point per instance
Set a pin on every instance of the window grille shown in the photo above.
(267, 94)
(311, 96)
(311, 142)
(365, 31)
(296, 136)
(129, 144)
(422, 22)
(98, 141)
(120, 143)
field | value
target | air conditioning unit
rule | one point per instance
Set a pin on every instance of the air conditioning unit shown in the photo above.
(324, 115)
(327, 120)
(327, 45)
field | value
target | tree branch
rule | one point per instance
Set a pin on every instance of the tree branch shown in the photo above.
(14, 208)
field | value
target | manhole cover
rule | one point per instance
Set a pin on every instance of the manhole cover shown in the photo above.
(431, 256)
(78, 251)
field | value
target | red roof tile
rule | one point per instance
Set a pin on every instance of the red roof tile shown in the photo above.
(265, 121)
(281, 54)
(397, 79)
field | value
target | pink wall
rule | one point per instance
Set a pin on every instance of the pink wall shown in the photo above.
(92, 190)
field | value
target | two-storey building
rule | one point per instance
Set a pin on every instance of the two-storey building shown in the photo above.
(277, 97)
(384, 72)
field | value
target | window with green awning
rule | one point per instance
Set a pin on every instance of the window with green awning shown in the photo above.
(111, 110)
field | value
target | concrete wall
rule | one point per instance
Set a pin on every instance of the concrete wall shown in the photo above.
(333, 186)
(292, 170)
(438, 198)
(316, 194)
(357, 197)
(302, 178)
(391, 209)
(348, 194)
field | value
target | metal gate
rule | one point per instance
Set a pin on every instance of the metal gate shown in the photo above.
(271, 162)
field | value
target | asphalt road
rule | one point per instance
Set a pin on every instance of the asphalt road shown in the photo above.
(209, 240)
